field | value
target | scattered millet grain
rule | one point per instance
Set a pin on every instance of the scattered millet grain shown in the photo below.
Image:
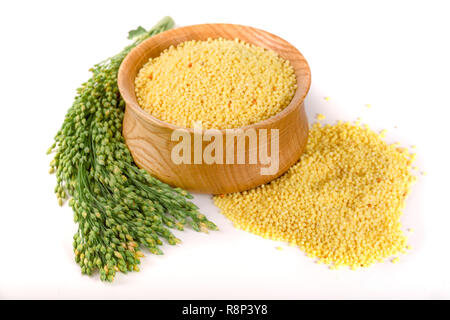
(341, 203)
(221, 83)
(396, 260)
(320, 117)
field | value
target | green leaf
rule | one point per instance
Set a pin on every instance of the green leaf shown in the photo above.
(135, 34)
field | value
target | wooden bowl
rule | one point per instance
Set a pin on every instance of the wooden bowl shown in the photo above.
(149, 139)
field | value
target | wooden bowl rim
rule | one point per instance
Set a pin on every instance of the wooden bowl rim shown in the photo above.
(124, 87)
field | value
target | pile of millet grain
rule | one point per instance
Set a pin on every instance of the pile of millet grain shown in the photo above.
(220, 83)
(341, 203)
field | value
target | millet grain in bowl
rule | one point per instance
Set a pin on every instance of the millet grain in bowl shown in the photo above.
(220, 83)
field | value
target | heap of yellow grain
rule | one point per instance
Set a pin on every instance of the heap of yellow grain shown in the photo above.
(341, 203)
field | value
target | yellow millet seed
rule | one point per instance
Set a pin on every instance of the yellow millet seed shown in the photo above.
(320, 117)
(341, 203)
(221, 83)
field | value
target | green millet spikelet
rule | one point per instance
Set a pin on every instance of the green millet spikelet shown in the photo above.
(119, 208)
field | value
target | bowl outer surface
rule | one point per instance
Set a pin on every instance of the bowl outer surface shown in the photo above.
(149, 139)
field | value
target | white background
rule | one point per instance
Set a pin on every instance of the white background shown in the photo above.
(393, 55)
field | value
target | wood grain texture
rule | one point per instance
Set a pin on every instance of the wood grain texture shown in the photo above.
(149, 139)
